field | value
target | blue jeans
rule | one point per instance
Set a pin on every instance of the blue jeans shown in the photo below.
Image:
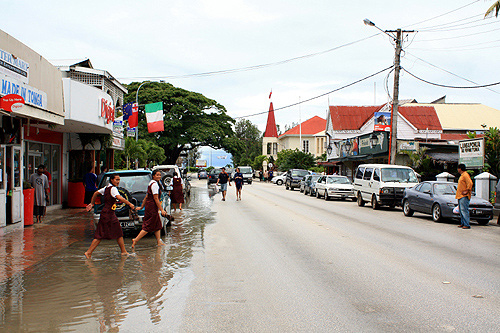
(463, 205)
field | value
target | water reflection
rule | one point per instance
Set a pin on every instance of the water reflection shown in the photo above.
(143, 292)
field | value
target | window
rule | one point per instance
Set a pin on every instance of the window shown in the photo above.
(359, 173)
(269, 148)
(275, 148)
(368, 174)
(445, 189)
(426, 187)
(305, 146)
(399, 175)
(376, 174)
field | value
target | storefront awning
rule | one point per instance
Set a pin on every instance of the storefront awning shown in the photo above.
(444, 157)
(329, 163)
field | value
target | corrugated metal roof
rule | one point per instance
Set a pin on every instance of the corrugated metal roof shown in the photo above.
(309, 127)
(351, 117)
(422, 117)
(466, 116)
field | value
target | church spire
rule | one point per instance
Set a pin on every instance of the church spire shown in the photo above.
(271, 131)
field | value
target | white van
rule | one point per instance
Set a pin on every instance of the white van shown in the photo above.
(247, 173)
(382, 184)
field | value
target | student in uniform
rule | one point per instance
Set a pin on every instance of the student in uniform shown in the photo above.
(152, 221)
(108, 226)
(238, 181)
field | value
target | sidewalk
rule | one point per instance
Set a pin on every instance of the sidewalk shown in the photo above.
(22, 247)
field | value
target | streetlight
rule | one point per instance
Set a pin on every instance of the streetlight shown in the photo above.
(373, 140)
(395, 100)
(329, 149)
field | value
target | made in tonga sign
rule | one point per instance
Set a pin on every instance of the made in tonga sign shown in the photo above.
(471, 153)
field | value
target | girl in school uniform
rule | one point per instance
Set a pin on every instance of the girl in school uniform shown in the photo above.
(108, 226)
(151, 221)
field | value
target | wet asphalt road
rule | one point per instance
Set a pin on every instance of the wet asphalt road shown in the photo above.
(276, 261)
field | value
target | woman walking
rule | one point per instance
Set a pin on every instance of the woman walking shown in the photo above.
(108, 226)
(176, 194)
(238, 181)
(152, 221)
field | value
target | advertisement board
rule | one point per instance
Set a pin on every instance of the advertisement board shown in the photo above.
(471, 153)
(382, 121)
(201, 163)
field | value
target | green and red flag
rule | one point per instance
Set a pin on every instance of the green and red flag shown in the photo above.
(154, 117)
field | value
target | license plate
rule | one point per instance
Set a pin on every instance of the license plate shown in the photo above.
(477, 212)
(127, 224)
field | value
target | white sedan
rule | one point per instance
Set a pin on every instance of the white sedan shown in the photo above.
(335, 187)
(279, 180)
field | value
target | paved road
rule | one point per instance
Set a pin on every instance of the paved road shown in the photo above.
(281, 261)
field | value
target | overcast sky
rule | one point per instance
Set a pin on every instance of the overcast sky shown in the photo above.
(136, 40)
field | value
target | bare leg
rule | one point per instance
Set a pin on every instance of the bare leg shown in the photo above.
(141, 234)
(92, 247)
(158, 238)
(121, 244)
(180, 206)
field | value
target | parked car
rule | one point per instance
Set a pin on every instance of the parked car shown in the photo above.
(133, 187)
(279, 180)
(167, 172)
(310, 184)
(335, 187)
(202, 174)
(247, 174)
(382, 184)
(438, 199)
(213, 175)
(293, 178)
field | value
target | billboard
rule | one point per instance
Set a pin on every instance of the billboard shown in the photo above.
(201, 163)
(471, 153)
(382, 121)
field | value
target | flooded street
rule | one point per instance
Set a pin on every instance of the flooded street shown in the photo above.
(62, 292)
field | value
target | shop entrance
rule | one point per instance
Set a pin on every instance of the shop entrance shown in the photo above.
(11, 184)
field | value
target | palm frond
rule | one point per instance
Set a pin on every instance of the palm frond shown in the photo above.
(494, 8)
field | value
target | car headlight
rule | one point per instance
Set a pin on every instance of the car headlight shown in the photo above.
(386, 190)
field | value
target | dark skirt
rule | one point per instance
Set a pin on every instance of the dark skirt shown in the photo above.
(151, 221)
(108, 226)
(177, 196)
(88, 197)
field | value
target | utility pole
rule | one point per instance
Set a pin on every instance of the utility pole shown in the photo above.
(395, 98)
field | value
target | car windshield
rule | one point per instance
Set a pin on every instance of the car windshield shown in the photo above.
(299, 173)
(337, 180)
(445, 189)
(215, 171)
(134, 183)
(245, 170)
(315, 177)
(399, 175)
(167, 172)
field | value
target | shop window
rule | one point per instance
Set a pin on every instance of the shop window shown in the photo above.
(305, 146)
(275, 148)
(269, 148)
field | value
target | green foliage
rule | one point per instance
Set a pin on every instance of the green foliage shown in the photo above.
(247, 142)
(210, 168)
(495, 7)
(471, 135)
(154, 154)
(146, 152)
(317, 169)
(419, 161)
(492, 151)
(294, 159)
(191, 119)
(257, 162)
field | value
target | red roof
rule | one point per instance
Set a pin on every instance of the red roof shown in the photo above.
(422, 117)
(271, 131)
(456, 136)
(351, 117)
(309, 127)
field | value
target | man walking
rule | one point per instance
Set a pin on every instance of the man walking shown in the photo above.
(238, 182)
(464, 193)
(223, 180)
(40, 183)
(90, 184)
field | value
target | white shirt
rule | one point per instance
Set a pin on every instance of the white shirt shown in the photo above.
(172, 181)
(155, 189)
(114, 191)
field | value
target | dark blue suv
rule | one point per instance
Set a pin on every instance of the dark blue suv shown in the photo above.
(293, 178)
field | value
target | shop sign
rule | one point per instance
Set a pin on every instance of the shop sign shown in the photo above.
(31, 96)
(107, 110)
(471, 153)
(131, 131)
(382, 121)
(11, 102)
(349, 147)
(375, 143)
(407, 146)
(12, 66)
(118, 143)
(118, 126)
(201, 163)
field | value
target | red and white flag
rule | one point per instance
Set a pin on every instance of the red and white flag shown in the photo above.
(133, 120)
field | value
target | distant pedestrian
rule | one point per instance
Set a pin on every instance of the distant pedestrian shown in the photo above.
(40, 183)
(90, 184)
(223, 180)
(266, 176)
(151, 221)
(271, 174)
(104, 169)
(261, 175)
(238, 182)
(177, 194)
(464, 194)
(108, 226)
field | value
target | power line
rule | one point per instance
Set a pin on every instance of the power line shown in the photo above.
(461, 26)
(318, 96)
(451, 11)
(444, 25)
(248, 68)
(455, 37)
(452, 87)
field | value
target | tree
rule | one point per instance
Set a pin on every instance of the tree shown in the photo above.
(250, 142)
(492, 151)
(258, 161)
(193, 155)
(295, 159)
(154, 154)
(191, 120)
(419, 160)
(494, 8)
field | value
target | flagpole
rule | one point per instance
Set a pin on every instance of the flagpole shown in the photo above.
(137, 102)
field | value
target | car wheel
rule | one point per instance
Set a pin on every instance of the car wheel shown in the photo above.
(312, 193)
(301, 190)
(406, 209)
(375, 204)
(326, 196)
(317, 194)
(360, 200)
(305, 191)
(354, 199)
(279, 182)
(436, 213)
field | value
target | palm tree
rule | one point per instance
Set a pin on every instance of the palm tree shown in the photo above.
(495, 7)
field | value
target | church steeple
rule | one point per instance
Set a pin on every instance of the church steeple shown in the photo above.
(271, 130)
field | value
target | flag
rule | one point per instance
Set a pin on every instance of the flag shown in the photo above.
(154, 117)
(133, 120)
(127, 110)
(270, 94)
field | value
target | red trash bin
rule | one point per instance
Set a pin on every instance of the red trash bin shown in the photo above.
(29, 201)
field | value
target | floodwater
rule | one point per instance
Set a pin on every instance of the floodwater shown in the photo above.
(64, 292)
